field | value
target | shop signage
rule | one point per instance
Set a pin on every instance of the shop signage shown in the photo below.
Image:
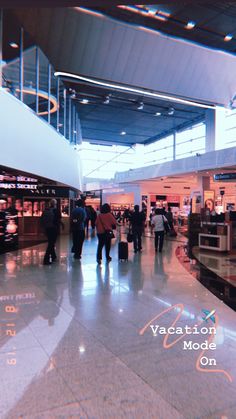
(17, 186)
(225, 176)
(173, 198)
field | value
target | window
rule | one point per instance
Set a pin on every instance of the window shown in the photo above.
(159, 152)
(191, 141)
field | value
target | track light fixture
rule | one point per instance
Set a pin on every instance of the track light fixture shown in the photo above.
(171, 111)
(107, 100)
(140, 106)
(130, 89)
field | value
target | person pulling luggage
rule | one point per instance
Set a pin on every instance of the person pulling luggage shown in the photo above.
(105, 223)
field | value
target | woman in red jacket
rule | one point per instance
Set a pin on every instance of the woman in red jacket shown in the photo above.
(105, 223)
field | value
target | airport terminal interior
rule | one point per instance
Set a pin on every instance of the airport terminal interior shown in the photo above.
(118, 129)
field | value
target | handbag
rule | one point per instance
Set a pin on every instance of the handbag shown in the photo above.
(108, 233)
(166, 225)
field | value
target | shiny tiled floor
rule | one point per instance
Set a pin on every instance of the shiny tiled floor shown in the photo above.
(70, 344)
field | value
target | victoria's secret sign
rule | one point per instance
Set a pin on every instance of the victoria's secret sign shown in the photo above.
(15, 182)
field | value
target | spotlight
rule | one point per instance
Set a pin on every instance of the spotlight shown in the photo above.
(228, 37)
(13, 45)
(140, 106)
(107, 100)
(123, 133)
(84, 101)
(190, 25)
(171, 111)
(158, 113)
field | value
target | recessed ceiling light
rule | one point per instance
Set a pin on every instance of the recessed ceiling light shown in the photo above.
(140, 106)
(13, 45)
(75, 132)
(228, 37)
(84, 101)
(158, 113)
(123, 133)
(190, 25)
(60, 124)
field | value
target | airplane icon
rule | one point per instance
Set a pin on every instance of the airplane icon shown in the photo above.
(209, 315)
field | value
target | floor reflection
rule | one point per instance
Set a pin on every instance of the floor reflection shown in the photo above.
(211, 271)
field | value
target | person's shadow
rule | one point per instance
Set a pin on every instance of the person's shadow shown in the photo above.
(136, 279)
(103, 278)
(75, 284)
(49, 306)
(159, 270)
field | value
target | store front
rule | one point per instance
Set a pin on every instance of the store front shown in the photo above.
(22, 202)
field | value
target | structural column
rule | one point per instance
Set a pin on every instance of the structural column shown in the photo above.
(214, 128)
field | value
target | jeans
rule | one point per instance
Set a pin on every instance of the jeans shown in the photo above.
(51, 234)
(159, 235)
(103, 240)
(78, 240)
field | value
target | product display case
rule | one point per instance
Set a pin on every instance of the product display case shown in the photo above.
(215, 236)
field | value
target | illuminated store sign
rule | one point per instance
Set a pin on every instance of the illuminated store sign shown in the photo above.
(225, 176)
(17, 186)
(10, 178)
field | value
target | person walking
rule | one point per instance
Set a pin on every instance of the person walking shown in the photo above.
(105, 223)
(159, 228)
(50, 221)
(169, 217)
(137, 220)
(78, 218)
(93, 217)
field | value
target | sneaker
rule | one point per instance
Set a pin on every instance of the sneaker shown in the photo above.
(47, 263)
(109, 259)
(99, 261)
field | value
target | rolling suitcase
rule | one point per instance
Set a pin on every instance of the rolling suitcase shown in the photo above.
(123, 251)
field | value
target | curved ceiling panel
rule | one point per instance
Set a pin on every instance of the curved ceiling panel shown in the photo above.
(101, 47)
